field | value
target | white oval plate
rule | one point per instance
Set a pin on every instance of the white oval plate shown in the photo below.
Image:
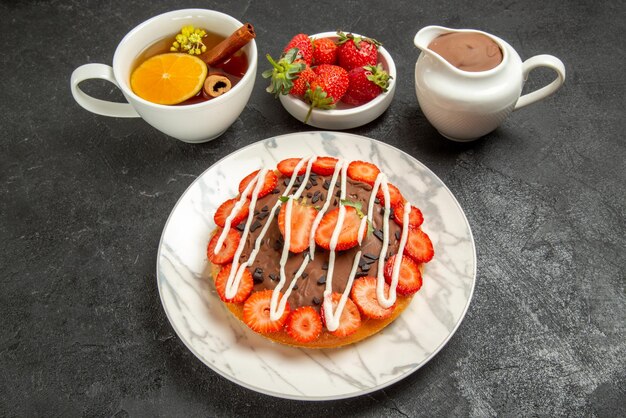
(228, 347)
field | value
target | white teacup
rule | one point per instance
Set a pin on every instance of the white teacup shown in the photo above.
(190, 123)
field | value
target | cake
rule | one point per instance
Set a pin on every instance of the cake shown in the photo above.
(319, 253)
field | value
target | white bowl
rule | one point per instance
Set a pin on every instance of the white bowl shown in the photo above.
(345, 116)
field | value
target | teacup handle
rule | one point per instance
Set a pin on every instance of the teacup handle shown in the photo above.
(97, 106)
(541, 61)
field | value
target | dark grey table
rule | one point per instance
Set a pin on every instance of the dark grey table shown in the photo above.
(84, 198)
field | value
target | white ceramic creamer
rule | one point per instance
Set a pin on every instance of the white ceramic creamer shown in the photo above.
(464, 105)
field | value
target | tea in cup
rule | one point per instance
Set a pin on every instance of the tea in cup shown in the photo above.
(217, 54)
(467, 81)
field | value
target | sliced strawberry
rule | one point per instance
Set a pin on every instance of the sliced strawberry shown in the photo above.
(415, 217)
(350, 319)
(418, 246)
(286, 167)
(324, 166)
(270, 183)
(363, 294)
(363, 171)
(256, 313)
(409, 277)
(302, 217)
(226, 208)
(349, 235)
(394, 195)
(245, 285)
(227, 252)
(304, 324)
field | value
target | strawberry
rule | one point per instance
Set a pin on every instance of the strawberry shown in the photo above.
(303, 81)
(302, 217)
(355, 51)
(409, 277)
(350, 319)
(256, 313)
(415, 217)
(366, 83)
(304, 324)
(284, 73)
(333, 80)
(394, 195)
(304, 45)
(363, 171)
(349, 235)
(226, 208)
(270, 183)
(324, 51)
(418, 246)
(324, 166)
(227, 252)
(327, 89)
(245, 285)
(287, 166)
(363, 294)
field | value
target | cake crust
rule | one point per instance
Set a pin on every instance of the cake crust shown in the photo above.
(368, 327)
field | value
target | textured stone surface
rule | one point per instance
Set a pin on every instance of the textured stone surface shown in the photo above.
(83, 200)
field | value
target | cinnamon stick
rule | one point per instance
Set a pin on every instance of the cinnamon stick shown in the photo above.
(216, 84)
(225, 49)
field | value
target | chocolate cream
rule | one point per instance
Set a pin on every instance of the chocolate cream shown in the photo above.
(310, 287)
(468, 51)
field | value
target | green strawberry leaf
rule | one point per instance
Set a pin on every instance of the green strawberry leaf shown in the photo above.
(345, 37)
(283, 72)
(319, 99)
(356, 205)
(378, 76)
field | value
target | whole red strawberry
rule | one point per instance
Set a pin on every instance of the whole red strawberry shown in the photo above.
(366, 83)
(324, 51)
(328, 88)
(304, 45)
(355, 51)
(284, 73)
(303, 81)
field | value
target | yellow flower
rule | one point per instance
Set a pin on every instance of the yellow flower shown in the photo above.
(190, 39)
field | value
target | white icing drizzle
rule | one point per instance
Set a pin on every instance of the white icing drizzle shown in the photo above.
(384, 300)
(332, 319)
(232, 284)
(233, 213)
(322, 211)
(381, 182)
(270, 218)
(277, 308)
(387, 302)
(234, 278)
(362, 227)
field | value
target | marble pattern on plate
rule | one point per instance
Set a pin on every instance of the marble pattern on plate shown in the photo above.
(232, 350)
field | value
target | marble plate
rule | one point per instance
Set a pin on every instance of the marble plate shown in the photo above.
(231, 349)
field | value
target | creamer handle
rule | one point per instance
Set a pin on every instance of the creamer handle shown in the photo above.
(97, 106)
(541, 61)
